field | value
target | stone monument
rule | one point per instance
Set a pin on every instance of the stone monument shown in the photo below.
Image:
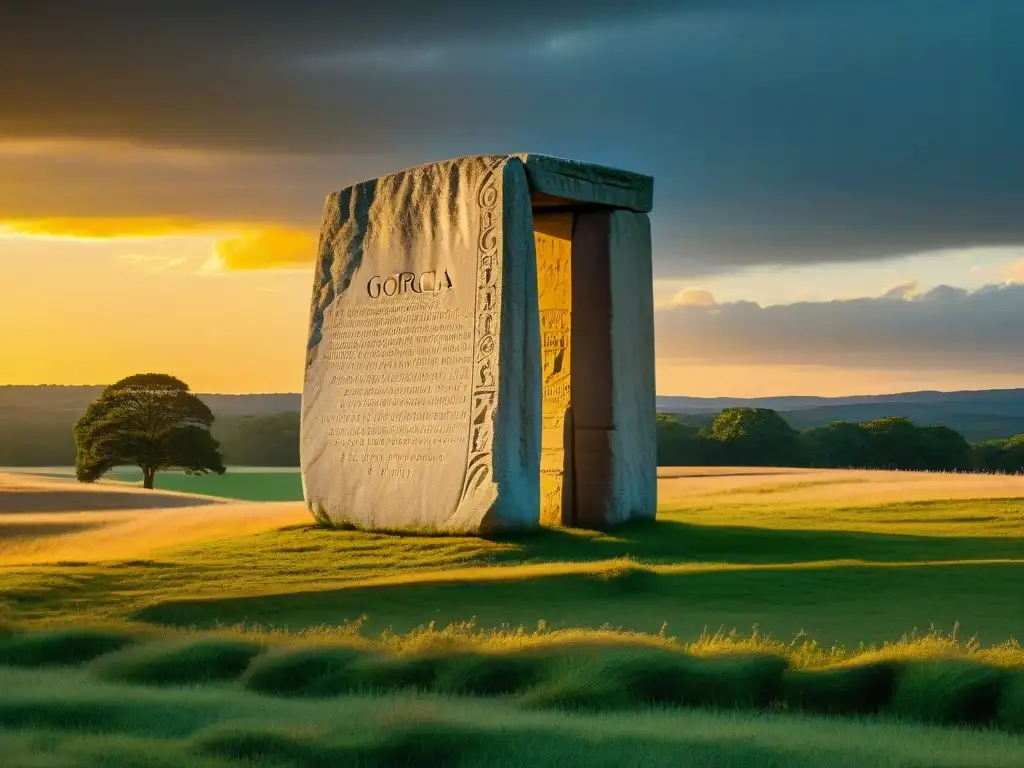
(481, 349)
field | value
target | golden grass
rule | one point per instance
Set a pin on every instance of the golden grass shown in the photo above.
(682, 486)
(872, 501)
(733, 547)
(44, 520)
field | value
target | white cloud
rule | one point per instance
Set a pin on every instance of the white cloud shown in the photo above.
(943, 329)
(152, 262)
(1017, 273)
(693, 297)
(904, 291)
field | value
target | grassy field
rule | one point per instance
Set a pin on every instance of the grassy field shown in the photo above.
(62, 718)
(243, 483)
(805, 553)
(814, 568)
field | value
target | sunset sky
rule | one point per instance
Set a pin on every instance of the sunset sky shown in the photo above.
(839, 186)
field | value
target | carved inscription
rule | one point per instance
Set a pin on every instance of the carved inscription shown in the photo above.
(485, 353)
(553, 242)
(400, 378)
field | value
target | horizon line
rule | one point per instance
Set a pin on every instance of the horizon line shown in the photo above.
(689, 397)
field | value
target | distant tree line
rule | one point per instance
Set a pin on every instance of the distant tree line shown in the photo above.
(761, 437)
(736, 437)
(34, 439)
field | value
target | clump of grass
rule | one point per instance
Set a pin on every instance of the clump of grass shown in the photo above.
(66, 714)
(491, 674)
(1011, 707)
(401, 745)
(949, 691)
(801, 652)
(627, 576)
(424, 743)
(850, 689)
(65, 646)
(632, 677)
(309, 671)
(276, 745)
(178, 662)
(385, 672)
(574, 690)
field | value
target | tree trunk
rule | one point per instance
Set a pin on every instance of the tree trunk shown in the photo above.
(148, 474)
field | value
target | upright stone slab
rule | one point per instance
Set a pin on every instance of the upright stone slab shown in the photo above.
(614, 460)
(439, 355)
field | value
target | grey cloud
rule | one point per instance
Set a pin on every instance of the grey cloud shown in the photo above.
(946, 329)
(782, 132)
(263, 188)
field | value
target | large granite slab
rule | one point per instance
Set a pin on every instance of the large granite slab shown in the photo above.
(429, 379)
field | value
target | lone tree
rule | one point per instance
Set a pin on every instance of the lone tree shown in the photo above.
(152, 420)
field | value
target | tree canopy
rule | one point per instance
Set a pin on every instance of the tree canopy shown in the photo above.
(753, 436)
(151, 420)
(756, 437)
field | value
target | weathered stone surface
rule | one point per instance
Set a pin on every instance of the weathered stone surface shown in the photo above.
(421, 408)
(634, 482)
(586, 183)
(433, 342)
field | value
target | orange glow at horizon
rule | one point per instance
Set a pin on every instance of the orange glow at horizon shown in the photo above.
(90, 311)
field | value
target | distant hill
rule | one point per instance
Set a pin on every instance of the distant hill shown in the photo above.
(977, 415)
(36, 423)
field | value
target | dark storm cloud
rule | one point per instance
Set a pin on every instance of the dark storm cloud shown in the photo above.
(945, 329)
(779, 132)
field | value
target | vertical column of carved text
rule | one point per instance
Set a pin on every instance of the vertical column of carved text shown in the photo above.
(553, 241)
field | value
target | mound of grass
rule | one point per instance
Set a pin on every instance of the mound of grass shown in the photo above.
(68, 715)
(491, 674)
(852, 689)
(1011, 708)
(427, 743)
(329, 671)
(311, 671)
(178, 662)
(61, 647)
(636, 677)
(949, 691)
(416, 744)
(69, 708)
(384, 673)
(270, 745)
(574, 690)
(627, 577)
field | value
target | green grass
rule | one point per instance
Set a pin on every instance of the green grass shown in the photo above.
(575, 671)
(179, 661)
(62, 718)
(835, 585)
(812, 598)
(269, 485)
(61, 646)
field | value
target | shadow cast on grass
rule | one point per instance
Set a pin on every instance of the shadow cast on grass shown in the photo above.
(670, 541)
(846, 604)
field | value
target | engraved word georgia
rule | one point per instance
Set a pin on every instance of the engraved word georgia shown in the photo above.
(404, 282)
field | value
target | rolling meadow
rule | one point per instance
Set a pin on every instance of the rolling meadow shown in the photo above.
(769, 617)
